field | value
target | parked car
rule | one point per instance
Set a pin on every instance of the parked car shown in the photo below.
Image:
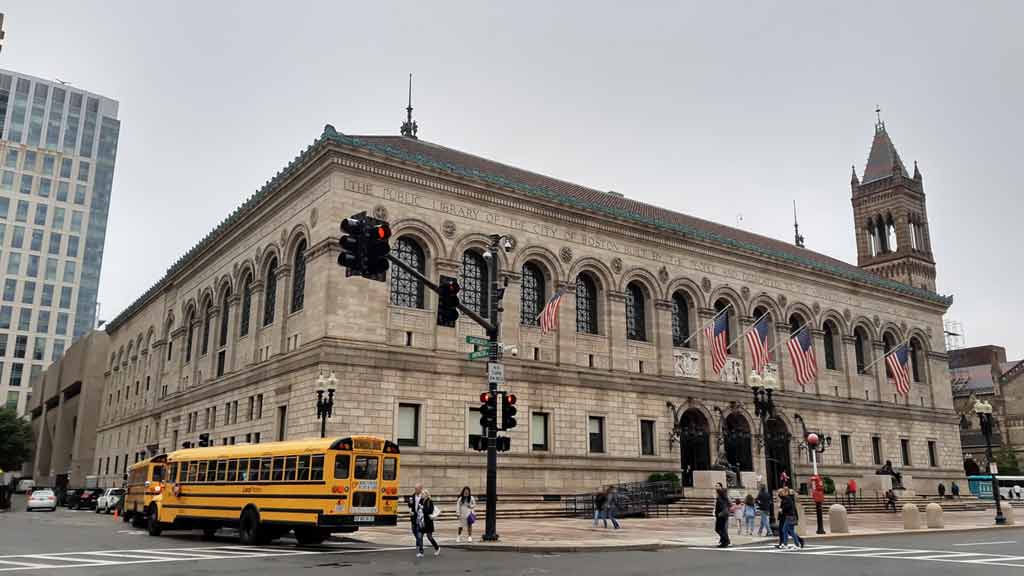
(25, 486)
(88, 498)
(42, 498)
(110, 500)
(73, 497)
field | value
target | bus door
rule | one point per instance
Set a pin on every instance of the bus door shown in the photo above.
(365, 486)
(389, 479)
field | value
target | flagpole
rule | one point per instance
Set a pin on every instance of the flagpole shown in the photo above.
(884, 356)
(745, 331)
(706, 324)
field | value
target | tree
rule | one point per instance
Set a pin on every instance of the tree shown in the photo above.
(15, 440)
(1007, 461)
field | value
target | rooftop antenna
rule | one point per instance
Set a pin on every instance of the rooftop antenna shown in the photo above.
(879, 125)
(797, 238)
(409, 127)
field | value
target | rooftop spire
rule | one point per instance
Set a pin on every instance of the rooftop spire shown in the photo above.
(797, 238)
(409, 127)
(883, 160)
(854, 181)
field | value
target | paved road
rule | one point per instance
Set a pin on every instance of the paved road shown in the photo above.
(69, 543)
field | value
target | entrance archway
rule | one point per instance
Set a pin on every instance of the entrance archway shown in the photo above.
(971, 467)
(777, 458)
(737, 442)
(694, 443)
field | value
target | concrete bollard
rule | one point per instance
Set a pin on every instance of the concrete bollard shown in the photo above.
(933, 513)
(837, 521)
(1008, 514)
(911, 517)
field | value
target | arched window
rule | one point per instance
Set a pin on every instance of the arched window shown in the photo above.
(915, 359)
(888, 342)
(761, 311)
(246, 311)
(270, 293)
(531, 299)
(883, 245)
(872, 239)
(796, 322)
(299, 277)
(860, 342)
(406, 290)
(475, 285)
(222, 338)
(721, 305)
(636, 327)
(680, 319)
(890, 235)
(206, 329)
(586, 304)
(829, 340)
(189, 324)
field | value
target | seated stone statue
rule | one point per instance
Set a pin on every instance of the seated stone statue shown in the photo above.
(722, 463)
(888, 470)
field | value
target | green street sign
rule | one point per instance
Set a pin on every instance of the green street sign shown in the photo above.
(479, 354)
(477, 340)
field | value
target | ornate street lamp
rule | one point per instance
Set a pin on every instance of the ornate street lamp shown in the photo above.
(764, 408)
(325, 406)
(987, 420)
(816, 444)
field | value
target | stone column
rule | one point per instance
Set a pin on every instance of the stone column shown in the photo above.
(784, 361)
(158, 358)
(817, 341)
(565, 343)
(663, 336)
(615, 313)
(175, 365)
(882, 389)
(209, 364)
(700, 342)
(848, 352)
(234, 317)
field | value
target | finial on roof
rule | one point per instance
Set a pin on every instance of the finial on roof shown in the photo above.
(879, 125)
(409, 127)
(854, 181)
(797, 238)
(917, 172)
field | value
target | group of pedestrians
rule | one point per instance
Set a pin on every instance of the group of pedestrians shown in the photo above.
(423, 511)
(747, 510)
(605, 503)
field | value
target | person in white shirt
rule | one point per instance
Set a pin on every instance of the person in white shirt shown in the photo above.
(467, 516)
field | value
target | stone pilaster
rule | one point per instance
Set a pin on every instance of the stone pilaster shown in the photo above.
(279, 330)
(256, 319)
(565, 346)
(662, 332)
(615, 313)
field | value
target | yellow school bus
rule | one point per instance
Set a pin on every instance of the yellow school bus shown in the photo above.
(314, 487)
(143, 486)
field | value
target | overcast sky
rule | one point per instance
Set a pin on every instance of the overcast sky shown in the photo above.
(716, 109)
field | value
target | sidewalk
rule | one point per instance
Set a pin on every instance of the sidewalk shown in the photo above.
(578, 535)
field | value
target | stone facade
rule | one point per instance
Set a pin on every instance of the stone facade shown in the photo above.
(982, 372)
(159, 395)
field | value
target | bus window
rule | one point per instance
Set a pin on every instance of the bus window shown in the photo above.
(254, 469)
(289, 469)
(158, 473)
(222, 469)
(211, 471)
(174, 472)
(232, 469)
(265, 469)
(303, 468)
(341, 466)
(390, 469)
(193, 468)
(317, 467)
(366, 467)
(243, 470)
(278, 474)
(201, 476)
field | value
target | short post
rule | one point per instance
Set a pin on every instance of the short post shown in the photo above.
(837, 520)
(933, 515)
(911, 517)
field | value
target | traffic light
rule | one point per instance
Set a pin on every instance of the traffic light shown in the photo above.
(478, 442)
(376, 249)
(447, 301)
(204, 440)
(503, 443)
(353, 248)
(508, 411)
(488, 411)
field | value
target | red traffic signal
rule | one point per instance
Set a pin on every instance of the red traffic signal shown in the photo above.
(485, 397)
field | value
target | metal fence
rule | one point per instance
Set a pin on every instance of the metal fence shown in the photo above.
(632, 499)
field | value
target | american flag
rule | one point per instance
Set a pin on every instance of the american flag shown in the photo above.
(549, 315)
(802, 353)
(897, 362)
(716, 334)
(757, 342)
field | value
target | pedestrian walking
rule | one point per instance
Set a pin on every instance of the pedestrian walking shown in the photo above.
(764, 506)
(790, 518)
(722, 515)
(890, 500)
(851, 491)
(736, 510)
(942, 490)
(599, 500)
(749, 512)
(422, 514)
(954, 489)
(466, 510)
(611, 501)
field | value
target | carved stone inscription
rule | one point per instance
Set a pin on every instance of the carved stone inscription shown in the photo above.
(687, 363)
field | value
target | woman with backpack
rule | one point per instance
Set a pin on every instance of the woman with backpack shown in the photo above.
(466, 509)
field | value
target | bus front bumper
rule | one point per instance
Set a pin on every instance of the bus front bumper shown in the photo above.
(348, 521)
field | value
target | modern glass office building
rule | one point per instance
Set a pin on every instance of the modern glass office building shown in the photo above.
(57, 149)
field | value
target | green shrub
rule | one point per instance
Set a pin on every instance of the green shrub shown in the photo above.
(830, 485)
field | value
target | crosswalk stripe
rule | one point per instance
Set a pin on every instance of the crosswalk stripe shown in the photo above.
(946, 555)
(997, 559)
(21, 565)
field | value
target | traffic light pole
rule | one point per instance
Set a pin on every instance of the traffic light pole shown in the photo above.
(491, 520)
(487, 325)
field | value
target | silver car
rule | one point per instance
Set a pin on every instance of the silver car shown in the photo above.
(109, 500)
(44, 498)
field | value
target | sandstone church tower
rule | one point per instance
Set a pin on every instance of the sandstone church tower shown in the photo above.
(890, 217)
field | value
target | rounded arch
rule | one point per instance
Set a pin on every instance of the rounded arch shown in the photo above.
(298, 233)
(225, 285)
(832, 341)
(168, 324)
(694, 427)
(730, 295)
(131, 349)
(737, 433)
(244, 267)
(831, 315)
(864, 324)
(639, 309)
(424, 234)
(654, 288)
(149, 336)
(270, 253)
(547, 261)
(802, 310)
(890, 327)
(769, 303)
(113, 360)
(922, 337)
(205, 298)
(598, 270)
(479, 243)
(690, 288)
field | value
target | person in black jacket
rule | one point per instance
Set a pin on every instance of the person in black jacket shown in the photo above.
(421, 512)
(787, 505)
(764, 507)
(722, 516)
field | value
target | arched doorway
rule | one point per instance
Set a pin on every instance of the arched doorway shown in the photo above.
(694, 444)
(971, 467)
(737, 442)
(777, 440)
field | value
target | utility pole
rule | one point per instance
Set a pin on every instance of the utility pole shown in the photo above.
(490, 526)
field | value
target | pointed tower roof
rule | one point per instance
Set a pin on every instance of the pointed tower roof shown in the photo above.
(883, 161)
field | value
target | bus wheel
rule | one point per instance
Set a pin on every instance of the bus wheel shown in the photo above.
(153, 522)
(249, 530)
(307, 535)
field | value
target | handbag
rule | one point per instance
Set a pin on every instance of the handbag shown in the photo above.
(471, 519)
(437, 512)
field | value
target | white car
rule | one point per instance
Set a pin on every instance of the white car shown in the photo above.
(42, 498)
(108, 501)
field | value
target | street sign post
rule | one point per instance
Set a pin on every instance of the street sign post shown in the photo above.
(495, 373)
(477, 341)
(484, 353)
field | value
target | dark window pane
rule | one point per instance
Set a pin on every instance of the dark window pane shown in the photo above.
(341, 466)
(246, 305)
(366, 468)
(270, 293)
(474, 282)
(680, 320)
(635, 314)
(405, 289)
(531, 300)
(299, 277)
(586, 305)
(390, 471)
(830, 352)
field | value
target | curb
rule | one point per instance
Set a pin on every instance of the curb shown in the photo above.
(897, 532)
(567, 548)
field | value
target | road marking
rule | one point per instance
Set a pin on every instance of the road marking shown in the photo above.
(987, 543)
(986, 558)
